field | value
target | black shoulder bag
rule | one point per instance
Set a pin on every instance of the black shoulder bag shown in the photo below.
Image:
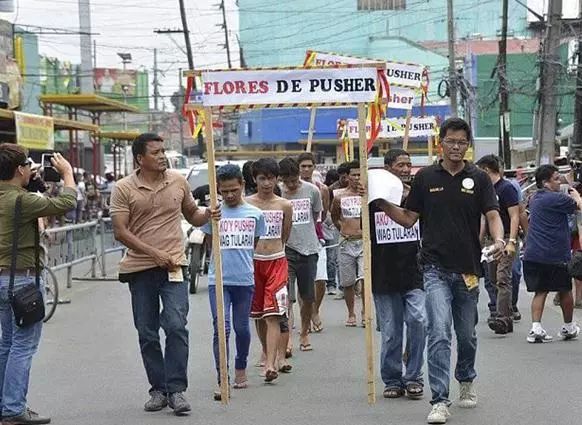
(27, 302)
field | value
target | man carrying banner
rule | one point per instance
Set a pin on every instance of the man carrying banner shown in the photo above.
(345, 213)
(398, 291)
(271, 269)
(240, 227)
(450, 198)
(303, 245)
(307, 167)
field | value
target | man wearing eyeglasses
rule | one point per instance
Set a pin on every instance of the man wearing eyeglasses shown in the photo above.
(450, 198)
(19, 343)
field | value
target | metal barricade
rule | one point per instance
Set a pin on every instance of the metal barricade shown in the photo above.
(68, 246)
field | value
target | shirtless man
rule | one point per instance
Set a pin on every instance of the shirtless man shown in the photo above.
(306, 168)
(271, 269)
(345, 213)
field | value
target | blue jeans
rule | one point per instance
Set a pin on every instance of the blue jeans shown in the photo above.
(17, 347)
(239, 299)
(449, 301)
(167, 371)
(393, 310)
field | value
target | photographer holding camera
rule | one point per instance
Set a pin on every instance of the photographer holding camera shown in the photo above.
(21, 302)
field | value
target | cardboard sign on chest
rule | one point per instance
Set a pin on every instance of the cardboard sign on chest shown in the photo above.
(351, 206)
(274, 223)
(237, 233)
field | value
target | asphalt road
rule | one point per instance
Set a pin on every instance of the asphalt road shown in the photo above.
(88, 371)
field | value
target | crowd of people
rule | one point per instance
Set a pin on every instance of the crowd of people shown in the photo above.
(288, 235)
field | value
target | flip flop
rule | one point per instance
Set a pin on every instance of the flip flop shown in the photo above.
(317, 328)
(351, 323)
(240, 385)
(286, 368)
(414, 391)
(393, 392)
(288, 353)
(305, 347)
(271, 375)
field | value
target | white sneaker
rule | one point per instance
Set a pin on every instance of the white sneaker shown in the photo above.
(439, 414)
(566, 334)
(467, 395)
(540, 336)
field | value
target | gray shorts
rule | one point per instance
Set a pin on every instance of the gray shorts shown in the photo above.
(350, 261)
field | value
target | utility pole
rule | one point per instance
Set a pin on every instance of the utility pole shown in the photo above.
(156, 81)
(452, 70)
(94, 54)
(576, 146)
(551, 68)
(86, 69)
(186, 34)
(504, 121)
(225, 28)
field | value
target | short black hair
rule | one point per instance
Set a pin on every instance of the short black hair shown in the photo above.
(247, 172)
(267, 167)
(544, 173)
(139, 145)
(353, 165)
(306, 156)
(331, 177)
(343, 168)
(492, 162)
(229, 172)
(455, 124)
(288, 167)
(393, 154)
(11, 157)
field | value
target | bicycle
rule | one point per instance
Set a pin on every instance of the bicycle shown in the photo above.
(51, 293)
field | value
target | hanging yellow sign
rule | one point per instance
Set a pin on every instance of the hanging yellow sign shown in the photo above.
(34, 131)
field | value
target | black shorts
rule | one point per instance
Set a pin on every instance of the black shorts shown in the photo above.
(546, 277)
(302, 272)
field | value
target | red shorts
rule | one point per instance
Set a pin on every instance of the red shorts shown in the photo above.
(270, 298)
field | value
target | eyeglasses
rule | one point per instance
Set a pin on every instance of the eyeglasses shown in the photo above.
(459, 143)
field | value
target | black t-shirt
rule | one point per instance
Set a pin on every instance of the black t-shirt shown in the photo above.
(394, 254)
(508, 197)
(450, 209)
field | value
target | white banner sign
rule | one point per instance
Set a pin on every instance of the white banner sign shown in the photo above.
(419, 127)
(388, 231)
(405, 74)
(293, 86)
(237, 233)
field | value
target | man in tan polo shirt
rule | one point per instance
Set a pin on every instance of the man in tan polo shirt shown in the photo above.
(146, 209)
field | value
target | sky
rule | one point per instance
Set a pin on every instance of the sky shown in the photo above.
(128, 26)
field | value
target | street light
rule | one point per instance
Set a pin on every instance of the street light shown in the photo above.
(125, 59)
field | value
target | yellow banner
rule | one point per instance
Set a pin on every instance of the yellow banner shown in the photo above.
(34, 131)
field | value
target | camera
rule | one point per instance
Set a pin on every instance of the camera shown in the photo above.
(50, 173)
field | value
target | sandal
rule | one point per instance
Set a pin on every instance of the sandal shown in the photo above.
(240, 385)
(286, 368)
(393, 392)
(317, 328)
(288, 353)
(271, 375)
(351, 322)
(414, 391)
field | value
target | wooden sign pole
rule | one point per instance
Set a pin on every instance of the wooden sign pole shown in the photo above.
(407, 130)
(217, 257)
(430, 142)
(311, 129)
(367, 287)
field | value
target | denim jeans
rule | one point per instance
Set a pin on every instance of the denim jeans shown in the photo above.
(393, 311)
(17, 347)
(167, 371)
(449, 301)
(239, 299)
